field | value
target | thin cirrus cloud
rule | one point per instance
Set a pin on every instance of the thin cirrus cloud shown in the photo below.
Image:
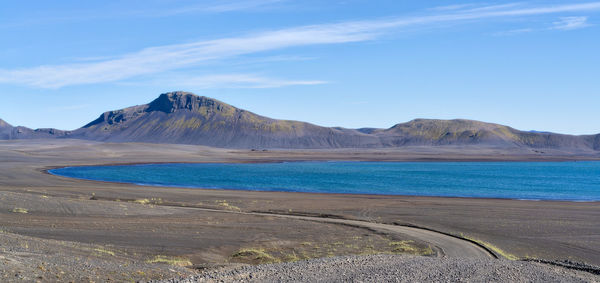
(451, 7)
(570, 23)
(154, 60)
(563, 23)
(514, 32)
(212, 7)
(206, 7)
(225, 81)
(240, 5)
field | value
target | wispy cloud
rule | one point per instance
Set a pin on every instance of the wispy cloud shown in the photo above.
(452, 7)
(148, 11)
(570, 23)
(221, 6)
(159, 59)
(223, 81)
(262, 60)
(564, 23)
(155, 60)
(228, 6)
(493, 7)
(513, 32)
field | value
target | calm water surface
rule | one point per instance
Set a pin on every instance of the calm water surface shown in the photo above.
(575, 181)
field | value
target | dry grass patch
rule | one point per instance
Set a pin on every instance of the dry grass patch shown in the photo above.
(104, 251)
(494, 249)
(366, 245)
(141, 201)
(177, 261)
(254, 255)
(20, 210)
(227, 206)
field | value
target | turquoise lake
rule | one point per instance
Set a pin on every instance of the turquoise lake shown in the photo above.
(573, 181)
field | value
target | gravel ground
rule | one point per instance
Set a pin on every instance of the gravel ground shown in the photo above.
(30, 259)
(392, 268)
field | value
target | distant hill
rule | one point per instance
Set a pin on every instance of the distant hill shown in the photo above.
(185, 118)
(468, 132)
(8, 132)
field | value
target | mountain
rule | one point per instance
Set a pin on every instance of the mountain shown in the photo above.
(468, 132)
(185, 118)
(8, 132)
(181, 117)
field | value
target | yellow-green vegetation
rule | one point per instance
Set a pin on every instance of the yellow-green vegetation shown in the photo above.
(403, 247)
(367, 245)
(209, 110)
(226, 205)
(427, 251)
(177, 261)
(148, 201)
(190, 123)
(494, 249)
(292, 257)
(408, 247)
(142, 201)
(454, 129)
(104, 251)
(268, 125)
(20, 210)
(284, 126)
(507, 132)
(257, 255)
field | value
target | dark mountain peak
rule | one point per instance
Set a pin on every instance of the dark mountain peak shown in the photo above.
(180, 100)
(169, 102)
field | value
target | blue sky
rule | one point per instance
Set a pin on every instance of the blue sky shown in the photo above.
(533, 65)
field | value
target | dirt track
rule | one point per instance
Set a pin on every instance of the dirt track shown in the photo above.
(444, 245)
(139, 223)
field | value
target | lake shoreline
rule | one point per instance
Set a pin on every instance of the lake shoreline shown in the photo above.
(99, 213)
(467, 177)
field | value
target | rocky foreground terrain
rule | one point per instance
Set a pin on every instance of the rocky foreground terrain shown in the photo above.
(55, 229)
(394, 268)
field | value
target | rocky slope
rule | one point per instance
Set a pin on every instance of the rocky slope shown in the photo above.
(185, 118)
